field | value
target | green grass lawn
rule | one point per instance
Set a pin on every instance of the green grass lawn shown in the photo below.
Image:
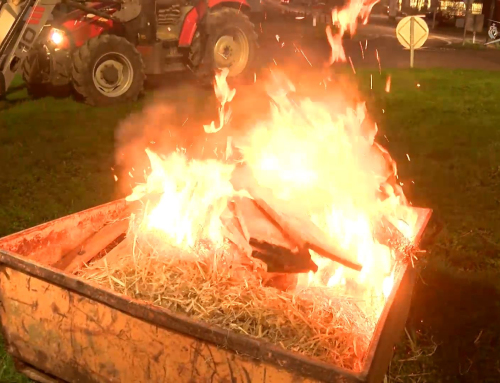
(56, 157)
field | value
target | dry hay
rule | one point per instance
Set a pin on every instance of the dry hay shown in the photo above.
(314, 322)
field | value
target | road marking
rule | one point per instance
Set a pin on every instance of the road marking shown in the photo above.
(448, 42)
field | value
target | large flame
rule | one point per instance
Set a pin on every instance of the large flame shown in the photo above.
(324, 161)
(192, 196)
(320, 160)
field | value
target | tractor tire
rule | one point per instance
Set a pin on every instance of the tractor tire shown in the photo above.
(226, 32)
(108, 70)
(33, 69)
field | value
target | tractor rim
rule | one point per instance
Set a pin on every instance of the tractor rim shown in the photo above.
(232, 51)
(113, 74)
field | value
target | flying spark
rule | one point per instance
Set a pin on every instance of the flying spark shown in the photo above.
(362, 51)
(378, 59)
(388, 84)
(352, 65)
(303, 54)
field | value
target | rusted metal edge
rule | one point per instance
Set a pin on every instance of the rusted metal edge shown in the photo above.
(258, 349)
(118, 204)
(33, 373)
(377, 333)
(398, 279)
(424, 221)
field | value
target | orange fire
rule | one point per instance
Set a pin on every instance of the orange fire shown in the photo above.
(347, 20)
(324, 162)
(224, 95)
(193, 195)
(320, 160)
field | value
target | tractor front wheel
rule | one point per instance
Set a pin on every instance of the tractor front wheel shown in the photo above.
(36, 71)
(108, 70)
(230, 42)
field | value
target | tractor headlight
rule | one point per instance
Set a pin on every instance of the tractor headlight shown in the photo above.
(56, 36)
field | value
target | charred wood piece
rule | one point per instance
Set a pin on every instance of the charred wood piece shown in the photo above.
(282, 260)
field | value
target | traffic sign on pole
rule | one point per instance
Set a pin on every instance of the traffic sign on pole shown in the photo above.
(412, 32)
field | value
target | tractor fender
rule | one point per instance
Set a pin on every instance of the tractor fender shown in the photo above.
(229, 3)
(130, 10)
(196, 15)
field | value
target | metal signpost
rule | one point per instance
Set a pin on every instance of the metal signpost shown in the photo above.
(412, 32)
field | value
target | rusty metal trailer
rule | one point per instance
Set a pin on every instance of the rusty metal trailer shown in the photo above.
(58, 327)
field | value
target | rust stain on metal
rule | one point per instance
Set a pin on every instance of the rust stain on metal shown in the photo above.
(78, 332)
(49, 241)
(84, 342)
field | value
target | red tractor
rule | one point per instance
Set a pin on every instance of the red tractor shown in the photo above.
(106, 49)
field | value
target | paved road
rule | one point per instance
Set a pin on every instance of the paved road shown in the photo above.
(438, 51)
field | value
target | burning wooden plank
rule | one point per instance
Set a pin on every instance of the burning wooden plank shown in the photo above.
(307, 235)
(296, 231)
(268, 242)
(282, 260)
